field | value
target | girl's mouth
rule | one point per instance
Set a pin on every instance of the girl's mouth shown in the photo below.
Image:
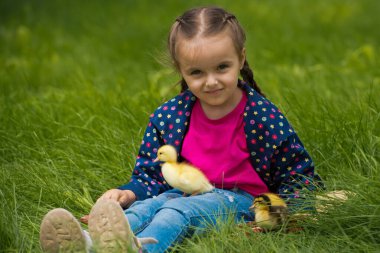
(214, 92)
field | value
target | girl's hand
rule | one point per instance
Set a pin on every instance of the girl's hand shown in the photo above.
(124, 197)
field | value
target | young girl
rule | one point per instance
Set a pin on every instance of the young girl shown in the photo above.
(220, 123)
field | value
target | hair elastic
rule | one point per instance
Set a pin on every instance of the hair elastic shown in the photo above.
(229, 17)
(180, 20)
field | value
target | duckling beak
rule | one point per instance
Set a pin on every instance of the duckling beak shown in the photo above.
(156, 160)
(255, 205)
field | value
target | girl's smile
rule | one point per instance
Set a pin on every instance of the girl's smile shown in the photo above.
(211, 68)
(214, 92)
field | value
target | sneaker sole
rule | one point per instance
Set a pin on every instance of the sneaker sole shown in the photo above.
(61, 232)
(109, 228)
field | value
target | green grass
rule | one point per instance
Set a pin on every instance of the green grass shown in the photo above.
(78, 81)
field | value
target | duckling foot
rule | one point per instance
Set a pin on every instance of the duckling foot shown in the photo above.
(257, 229)
(195, 193)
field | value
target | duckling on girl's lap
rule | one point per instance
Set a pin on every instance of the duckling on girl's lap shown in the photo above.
(182, 176)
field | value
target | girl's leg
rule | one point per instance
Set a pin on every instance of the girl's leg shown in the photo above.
(141, 213)
(179, 216)
(61, 232)
(173, 216)
(111, 229)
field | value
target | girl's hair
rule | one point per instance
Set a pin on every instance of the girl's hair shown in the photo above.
(208, 21)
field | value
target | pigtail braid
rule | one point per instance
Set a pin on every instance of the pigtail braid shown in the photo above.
(247, 74)
(183, 85)
(228, 17)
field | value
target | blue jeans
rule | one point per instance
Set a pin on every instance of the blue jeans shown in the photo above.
(170, 217)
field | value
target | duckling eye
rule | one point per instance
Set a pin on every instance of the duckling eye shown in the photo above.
(259, 200)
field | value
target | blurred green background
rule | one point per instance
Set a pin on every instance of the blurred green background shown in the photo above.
(78, 80)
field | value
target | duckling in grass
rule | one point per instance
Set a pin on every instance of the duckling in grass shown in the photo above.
(270, 211)
(182, 176)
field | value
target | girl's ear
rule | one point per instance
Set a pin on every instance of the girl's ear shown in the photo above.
(242, 57)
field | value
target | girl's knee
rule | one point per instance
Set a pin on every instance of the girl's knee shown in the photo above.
(171, 219)
(171, 213)
(176, 206)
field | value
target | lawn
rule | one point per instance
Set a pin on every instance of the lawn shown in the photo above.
(79, 80)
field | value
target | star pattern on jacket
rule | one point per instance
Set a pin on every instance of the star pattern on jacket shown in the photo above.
(276, 152)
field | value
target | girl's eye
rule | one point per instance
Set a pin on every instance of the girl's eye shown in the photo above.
(195, 72)
(222, 66)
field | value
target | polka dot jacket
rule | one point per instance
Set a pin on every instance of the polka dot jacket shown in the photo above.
(276, 152)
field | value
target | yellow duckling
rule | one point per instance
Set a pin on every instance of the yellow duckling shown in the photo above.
(182, 176)
(270, 211)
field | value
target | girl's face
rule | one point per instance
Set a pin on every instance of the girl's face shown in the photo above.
(211, 67)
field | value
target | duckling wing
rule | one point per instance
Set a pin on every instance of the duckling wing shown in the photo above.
(188, 180)
(277, 200)
(279, 213)
(194, 179)
(265, 220)
(185, 184)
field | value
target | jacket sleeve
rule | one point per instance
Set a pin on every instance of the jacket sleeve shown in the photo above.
(147, 180)
(293, 169)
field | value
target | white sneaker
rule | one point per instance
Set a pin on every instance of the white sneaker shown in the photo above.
(61, 232)
(109, 229)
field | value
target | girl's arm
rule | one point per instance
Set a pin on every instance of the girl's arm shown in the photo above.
(147, 180)
(292, 169)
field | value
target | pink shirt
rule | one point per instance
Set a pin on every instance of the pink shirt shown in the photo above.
(219, 149)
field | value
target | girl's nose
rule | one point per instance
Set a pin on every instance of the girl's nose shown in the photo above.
(211, 81)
